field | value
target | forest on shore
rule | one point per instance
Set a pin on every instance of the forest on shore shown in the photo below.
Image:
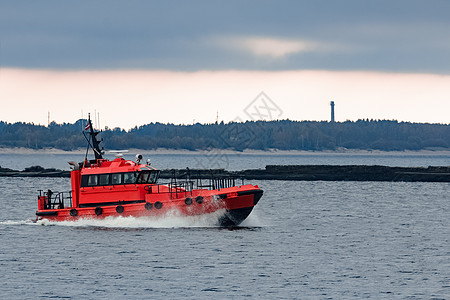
(385, 135)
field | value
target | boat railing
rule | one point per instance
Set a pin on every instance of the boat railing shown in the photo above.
(183, 184)
(183, 188)
(174, 189)
(217, 181)
(56, 200)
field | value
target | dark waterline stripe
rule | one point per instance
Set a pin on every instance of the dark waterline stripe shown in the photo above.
(110, 203)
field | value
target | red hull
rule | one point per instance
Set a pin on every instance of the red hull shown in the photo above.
(236, 202)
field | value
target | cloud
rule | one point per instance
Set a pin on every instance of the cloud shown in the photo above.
(409, 36)
(279, 48)
(267, 46)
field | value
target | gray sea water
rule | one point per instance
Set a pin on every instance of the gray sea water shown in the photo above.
(304, 240)
(238, 161)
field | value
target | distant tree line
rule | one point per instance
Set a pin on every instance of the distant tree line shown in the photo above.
(261, 135)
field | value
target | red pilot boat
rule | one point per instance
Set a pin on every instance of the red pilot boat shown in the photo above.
(104, 188)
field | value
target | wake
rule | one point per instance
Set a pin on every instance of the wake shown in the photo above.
(170, 220)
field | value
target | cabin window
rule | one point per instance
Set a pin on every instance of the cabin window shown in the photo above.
(143, 177)
(129, 177)
(109, 179)
(146, 177)
(116, 178)
(153, 177)
(103, 179)
(92, 180)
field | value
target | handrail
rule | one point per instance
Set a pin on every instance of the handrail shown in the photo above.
(56, 200)
(185, 187)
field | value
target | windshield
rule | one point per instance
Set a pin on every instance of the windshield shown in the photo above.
(148, 177)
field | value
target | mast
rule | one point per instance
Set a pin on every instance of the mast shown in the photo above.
(95, 143)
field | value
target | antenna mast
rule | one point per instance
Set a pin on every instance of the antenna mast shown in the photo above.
(95, 143)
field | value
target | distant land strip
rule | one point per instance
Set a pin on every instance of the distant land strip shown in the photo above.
(283, 172)
(384, 135)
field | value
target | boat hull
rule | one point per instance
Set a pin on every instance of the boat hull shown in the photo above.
(236, 203)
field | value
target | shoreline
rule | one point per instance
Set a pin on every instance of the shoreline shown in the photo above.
(282, 172)
(275, 152)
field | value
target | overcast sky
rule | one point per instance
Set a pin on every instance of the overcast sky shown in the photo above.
(373, 37)
(196, 35)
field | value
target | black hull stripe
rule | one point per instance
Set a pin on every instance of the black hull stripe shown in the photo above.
(110, 203)
(257, 194)
(252, 192)
(46, 213)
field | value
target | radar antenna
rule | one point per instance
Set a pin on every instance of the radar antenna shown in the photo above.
(93, 136)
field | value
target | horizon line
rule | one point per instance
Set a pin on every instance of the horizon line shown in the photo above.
(230, 122)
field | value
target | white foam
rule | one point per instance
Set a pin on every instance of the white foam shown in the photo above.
(11, 222)
(170, 220)
(252, 221)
